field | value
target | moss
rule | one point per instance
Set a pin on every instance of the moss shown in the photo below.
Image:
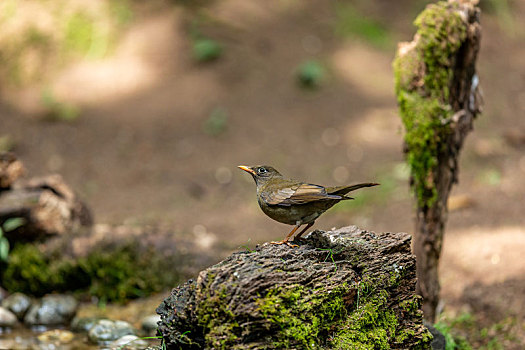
(216, 318)
(303, 317)
(423, 75)
(370, 325)
(117, 274)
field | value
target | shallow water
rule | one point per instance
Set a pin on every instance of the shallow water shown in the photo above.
(22, 338)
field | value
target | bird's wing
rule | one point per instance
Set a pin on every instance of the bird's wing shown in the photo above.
(301, 193)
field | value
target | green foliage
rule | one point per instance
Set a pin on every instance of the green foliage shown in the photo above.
(4, 247)
(12, 224)
(424, 100)
(117, 274)
(217, 122)
(468, 331)
(350, 22)
(310, 73)
(206, 49)
(452, 342)
(58, 111)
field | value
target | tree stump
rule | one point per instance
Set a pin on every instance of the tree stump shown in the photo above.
(439, 97)
(342, 289)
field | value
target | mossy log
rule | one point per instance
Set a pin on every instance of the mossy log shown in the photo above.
(438, 93)
(342, 289)
(10, 169)
(44, 207)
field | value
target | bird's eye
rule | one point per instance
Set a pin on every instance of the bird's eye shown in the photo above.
(261, 170)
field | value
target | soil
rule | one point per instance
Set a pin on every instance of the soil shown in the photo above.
(141, 151)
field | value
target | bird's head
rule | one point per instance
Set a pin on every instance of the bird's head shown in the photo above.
(261, 173)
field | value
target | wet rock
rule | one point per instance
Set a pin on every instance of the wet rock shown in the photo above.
(105, 331)
(149, 324)
(56, 336)
(129, 342)
(18, 304)
(55, 309)
(83, 324)
(7, 318)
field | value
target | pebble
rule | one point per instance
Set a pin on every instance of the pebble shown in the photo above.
(53, 309)
(149, 324)
(83, 324)
(18, 304)
(129, 342)
(56, 336)
(7, 318)
(105, 331)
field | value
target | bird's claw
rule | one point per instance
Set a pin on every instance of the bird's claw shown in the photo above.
(285, 242)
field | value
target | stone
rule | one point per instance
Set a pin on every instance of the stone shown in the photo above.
(149, 324)
(56, 336)
(129, 342)
(7, 318)
(53, 309)
(83, 324)
(105, 331)
(17, 303)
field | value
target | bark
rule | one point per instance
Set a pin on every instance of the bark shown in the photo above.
(341, 289)
(452, 31)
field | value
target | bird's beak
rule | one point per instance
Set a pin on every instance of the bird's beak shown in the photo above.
(247, 169)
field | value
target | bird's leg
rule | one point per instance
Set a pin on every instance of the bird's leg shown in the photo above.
(298, 236)
(285, 240)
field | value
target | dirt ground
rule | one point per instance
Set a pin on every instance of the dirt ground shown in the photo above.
(140, 152)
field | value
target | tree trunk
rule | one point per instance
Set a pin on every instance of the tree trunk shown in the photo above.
(438, 95)
(342, 289)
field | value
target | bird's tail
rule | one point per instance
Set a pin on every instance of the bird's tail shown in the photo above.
(342, 190)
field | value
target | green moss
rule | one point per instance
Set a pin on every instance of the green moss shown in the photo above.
(116, 274)
(423, 75)
(370, 325)
(216, 318)
(302, 317)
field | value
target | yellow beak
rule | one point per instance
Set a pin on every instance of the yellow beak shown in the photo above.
(246, 168)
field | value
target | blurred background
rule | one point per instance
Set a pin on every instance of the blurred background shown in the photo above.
(147, 107)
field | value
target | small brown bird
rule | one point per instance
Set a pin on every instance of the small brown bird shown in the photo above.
(293, 202)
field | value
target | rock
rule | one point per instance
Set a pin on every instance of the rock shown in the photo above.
(149, 324)
(129, 342)
(18, 304)
(7, 318)
(83, 324)
(53, 309)
(439, 342)
(56, 336)
(342, 289)
(105, 331)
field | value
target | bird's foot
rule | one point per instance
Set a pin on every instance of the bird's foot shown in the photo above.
(285, 242)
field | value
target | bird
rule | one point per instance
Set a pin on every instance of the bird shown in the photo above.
(294, 202)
